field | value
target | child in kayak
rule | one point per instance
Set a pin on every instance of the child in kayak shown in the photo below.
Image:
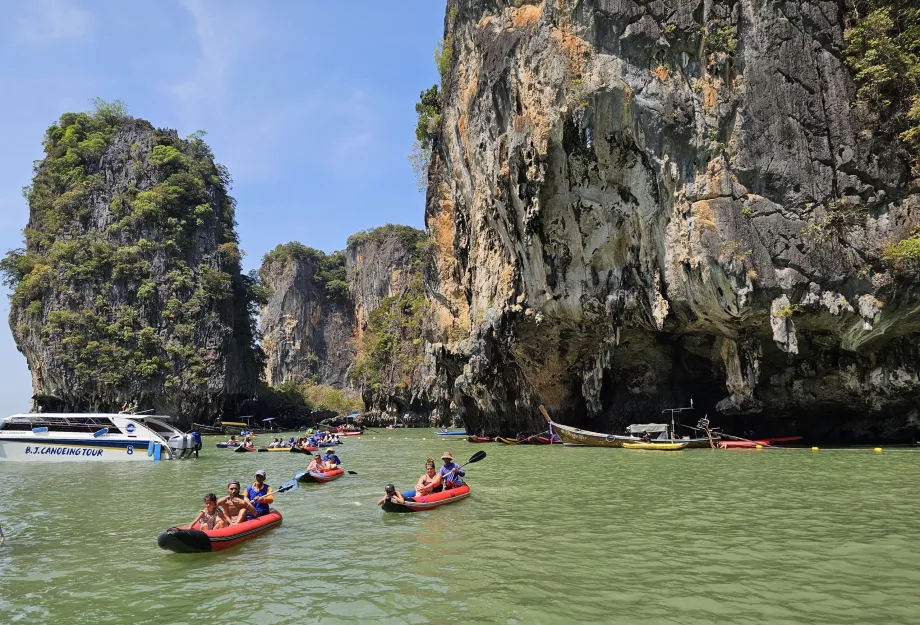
(332, 461)
(212, 517)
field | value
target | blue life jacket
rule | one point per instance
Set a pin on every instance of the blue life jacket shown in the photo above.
(260, 506)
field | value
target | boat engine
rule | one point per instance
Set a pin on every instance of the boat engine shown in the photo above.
(181, 445)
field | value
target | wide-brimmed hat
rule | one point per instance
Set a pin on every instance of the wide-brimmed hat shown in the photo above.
(447, 455)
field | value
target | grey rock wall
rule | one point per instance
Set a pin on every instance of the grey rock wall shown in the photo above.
(636, 203)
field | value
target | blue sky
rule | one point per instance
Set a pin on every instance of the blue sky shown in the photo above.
(309, 104)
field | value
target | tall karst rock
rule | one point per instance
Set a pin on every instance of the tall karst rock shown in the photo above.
(350, 319)
(129, 288)
(632, 204)
(308, 322)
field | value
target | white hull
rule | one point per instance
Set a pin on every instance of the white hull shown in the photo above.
(37, 451)
(95, 437)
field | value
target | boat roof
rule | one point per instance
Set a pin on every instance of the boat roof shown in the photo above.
(637, 428)
(79, 416)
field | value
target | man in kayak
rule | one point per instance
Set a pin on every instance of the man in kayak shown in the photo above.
(391, 495)
(451, 473)
(332, 461)
(259, 494)
(235, 505)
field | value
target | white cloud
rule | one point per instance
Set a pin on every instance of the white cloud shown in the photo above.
(52, 20)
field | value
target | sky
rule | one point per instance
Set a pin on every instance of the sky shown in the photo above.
(310, 104)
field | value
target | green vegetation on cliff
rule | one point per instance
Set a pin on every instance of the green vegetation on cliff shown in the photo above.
(410, 238)
(883, 52)
(330, 273)
(130, 276)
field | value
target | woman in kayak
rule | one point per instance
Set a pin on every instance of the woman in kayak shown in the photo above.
(212, 517)
(318, 465)
(429, 482)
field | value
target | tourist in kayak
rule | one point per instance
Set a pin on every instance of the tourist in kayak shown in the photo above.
(212, 517)
(318, 465)
(391, 495)
(429, 482)
(451, 473)
(332, 461)
(235, 505)
(259, 494)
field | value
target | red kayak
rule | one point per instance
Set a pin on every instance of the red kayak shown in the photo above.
(541, 440)
(243, 448)
(427, 502)
(321, 478)
(479, 439)
(185, 540)
(763, 442)
(348, 433)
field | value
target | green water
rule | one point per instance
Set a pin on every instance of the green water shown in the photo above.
(549, 535)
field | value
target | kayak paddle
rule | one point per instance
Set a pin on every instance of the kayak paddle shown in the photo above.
(287, 487)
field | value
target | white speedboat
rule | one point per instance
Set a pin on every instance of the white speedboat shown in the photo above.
(91, 437)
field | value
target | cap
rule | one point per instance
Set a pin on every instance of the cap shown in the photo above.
(447, 455)
(260, 472)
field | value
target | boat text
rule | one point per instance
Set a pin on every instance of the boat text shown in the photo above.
(63, 451)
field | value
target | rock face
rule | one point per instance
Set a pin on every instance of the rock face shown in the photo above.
(632, 204)
(364, 334)
(307, 327)
(129, 288)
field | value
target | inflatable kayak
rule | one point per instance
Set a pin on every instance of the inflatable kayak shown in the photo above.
(274, 449)
(303, 450)
(242, 449)
(765, 442)
(451, 433)
(542, 440)
(507, 441)
(226, 445)
(427, 502)
(479, 439)
(656, 446)
(321, 478)
(184, 540)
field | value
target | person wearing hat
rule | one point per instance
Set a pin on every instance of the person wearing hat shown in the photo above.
(451, 473)
(391, 495)
(259, 494)
(332, 461)
(235, 505)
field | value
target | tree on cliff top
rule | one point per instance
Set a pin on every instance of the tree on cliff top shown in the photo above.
(129, 283)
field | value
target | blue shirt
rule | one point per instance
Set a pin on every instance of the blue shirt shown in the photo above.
(197, 438)
(260, 506)
(447, 474)
(332, 458)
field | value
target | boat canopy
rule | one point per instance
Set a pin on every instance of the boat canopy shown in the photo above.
(651, 428)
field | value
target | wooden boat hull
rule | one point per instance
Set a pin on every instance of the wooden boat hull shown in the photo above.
(427, 502)
(576, 436)
(183, 539)
(656, 446)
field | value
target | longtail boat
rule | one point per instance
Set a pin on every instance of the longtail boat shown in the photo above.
(576, 436)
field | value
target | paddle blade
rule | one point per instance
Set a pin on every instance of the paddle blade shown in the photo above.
(352, 473)
(479, 455)
(288, 486)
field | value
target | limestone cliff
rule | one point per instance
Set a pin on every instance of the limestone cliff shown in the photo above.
(308, 321)
(351, 319)
(635, 203)
(129, 287)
